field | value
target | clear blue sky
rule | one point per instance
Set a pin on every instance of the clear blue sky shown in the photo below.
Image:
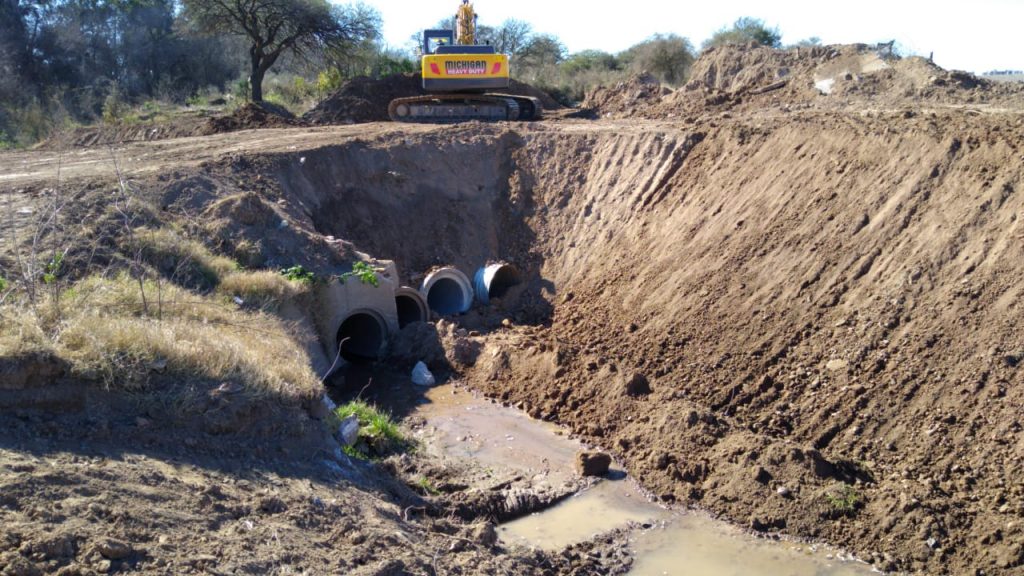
(977, 36)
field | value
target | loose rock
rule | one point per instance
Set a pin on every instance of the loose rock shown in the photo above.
(348, 430)
(113, 549)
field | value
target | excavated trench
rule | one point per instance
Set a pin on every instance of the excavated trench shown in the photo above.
(746, 315)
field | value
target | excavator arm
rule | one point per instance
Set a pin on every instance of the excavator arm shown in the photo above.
(465, 24)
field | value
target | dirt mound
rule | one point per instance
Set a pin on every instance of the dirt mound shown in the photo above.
(623, 99)
(107, 134)
(247, 117)
(364, 99)
(827, 77)
(741, 68)
(251, 116)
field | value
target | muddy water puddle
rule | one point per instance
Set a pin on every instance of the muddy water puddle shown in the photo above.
(663, 541)
(601, 508)
(692, 544)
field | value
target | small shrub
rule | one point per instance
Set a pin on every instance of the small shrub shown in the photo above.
(241, 90)
(329, 81)
(52, 269)
(379, 435)
(844, 501)
(3, 284)
(114, 106)
(298, 273)
(427, 487)
(363, 272)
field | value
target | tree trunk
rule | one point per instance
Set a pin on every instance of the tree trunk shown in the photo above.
(256, 76)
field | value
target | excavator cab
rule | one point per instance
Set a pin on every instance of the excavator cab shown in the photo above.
(463, 80)
(434, 39)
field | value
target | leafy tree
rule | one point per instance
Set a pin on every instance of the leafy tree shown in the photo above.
(509, 38)
(276, 27)
(542, 50)
(13, 43)
(668, 57)
(744, 31)
(590, 60)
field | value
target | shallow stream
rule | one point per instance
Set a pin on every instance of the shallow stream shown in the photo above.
(663, 541)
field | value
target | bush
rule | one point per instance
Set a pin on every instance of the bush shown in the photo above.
(115, 108)
(363, 272)
(666, 57)
(298, 273)
(744, 31)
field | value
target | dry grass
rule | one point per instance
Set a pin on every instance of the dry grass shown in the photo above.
(20, 333)
(106, 336)
(183, 260)
(264, 289)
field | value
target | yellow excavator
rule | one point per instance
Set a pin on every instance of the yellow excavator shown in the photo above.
(464, 80)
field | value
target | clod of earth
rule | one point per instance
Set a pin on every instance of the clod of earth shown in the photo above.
(113, 549)
(592, 463)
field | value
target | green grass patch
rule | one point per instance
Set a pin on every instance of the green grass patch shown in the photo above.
(844, 500)
(379, 435)
(427, 487)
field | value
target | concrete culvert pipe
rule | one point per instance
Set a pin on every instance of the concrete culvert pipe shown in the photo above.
(362, 336)
(494, 280)
(411, 306)
(447, 291)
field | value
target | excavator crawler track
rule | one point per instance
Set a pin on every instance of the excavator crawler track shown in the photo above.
(451, 108)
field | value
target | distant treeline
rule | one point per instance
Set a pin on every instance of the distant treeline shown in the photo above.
(70, 62)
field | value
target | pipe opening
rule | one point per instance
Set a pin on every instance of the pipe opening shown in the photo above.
(505, 278)
(494, 281)
(446, 297)
(361, 337)
(409, 310)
